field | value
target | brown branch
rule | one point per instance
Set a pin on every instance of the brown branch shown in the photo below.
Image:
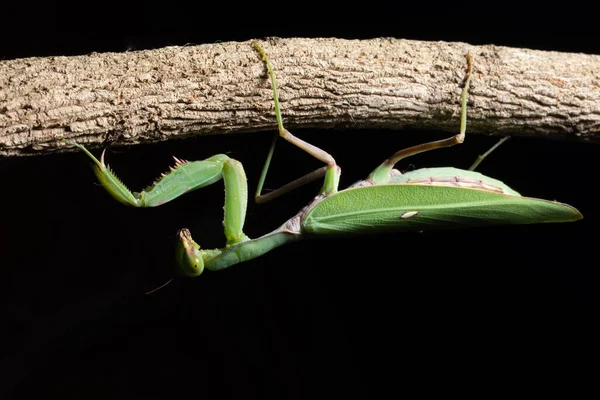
(175, 92)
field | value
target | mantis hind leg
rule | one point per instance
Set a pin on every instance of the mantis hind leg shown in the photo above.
(382, 173)
(331, 171)
(481, 157)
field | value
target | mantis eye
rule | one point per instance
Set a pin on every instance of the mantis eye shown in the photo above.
(188, 257)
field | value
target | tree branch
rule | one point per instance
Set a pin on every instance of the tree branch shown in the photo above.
(176, 92)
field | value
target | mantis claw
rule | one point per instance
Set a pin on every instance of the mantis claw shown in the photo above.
(110, 181)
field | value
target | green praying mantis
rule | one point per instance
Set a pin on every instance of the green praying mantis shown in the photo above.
(387, 200)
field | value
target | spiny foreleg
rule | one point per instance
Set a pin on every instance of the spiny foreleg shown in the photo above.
(184, 177)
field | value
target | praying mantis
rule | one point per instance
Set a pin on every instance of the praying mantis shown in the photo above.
(387, 200)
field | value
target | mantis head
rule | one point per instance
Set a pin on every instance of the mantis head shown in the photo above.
(188, 255)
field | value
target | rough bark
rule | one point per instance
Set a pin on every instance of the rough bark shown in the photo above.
(176, 92)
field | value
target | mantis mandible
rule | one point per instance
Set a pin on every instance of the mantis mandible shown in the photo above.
(387, 200)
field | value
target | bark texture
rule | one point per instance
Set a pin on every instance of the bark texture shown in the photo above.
(176, 92)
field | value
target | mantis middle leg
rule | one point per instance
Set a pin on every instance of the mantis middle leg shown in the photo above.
(331, 171)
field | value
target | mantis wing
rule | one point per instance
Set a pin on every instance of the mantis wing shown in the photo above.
(406, 207)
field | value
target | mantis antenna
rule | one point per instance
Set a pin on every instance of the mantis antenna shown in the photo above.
(160, 287)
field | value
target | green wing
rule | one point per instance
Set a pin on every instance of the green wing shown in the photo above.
(418, 207)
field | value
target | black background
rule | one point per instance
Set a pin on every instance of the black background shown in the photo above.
(484, 311)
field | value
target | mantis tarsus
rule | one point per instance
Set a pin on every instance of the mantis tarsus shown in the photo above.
(387, 200)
